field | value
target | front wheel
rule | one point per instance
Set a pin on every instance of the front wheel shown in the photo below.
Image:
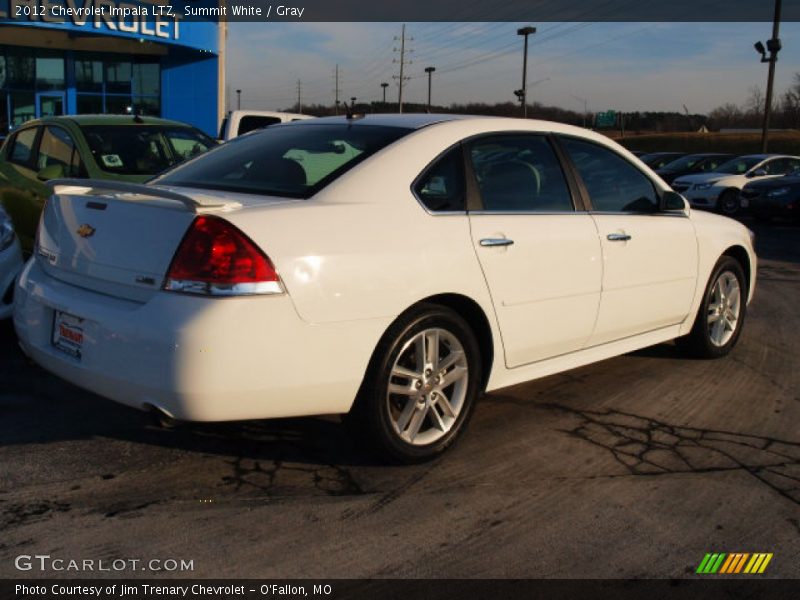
(721, 315)
(422, 385)
(729, 203)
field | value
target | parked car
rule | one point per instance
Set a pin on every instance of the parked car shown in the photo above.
(658, 160)
(10, 263)
(391, 267)
(690, 164)
(777, 197)
(87, 146)
(240, 122)
(720, 190)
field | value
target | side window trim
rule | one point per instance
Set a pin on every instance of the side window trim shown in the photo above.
(584, 191)
(474, 198)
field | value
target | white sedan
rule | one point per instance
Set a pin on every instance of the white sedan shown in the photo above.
(720, 190)
(388, 267)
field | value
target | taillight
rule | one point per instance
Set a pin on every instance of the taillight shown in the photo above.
(216, 259)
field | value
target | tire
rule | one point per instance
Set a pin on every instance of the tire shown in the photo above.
(714, 338)
(420, 416)
(729, 203)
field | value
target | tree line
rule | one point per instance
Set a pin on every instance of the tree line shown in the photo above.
(785, 113)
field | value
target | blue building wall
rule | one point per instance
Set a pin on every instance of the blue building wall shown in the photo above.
(189, 91)
(189, 69)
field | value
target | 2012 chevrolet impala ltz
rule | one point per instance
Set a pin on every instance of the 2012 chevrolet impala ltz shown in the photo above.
(387, 267)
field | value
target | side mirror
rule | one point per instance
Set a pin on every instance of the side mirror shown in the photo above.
(51, 172)
(757, 173)
(672, 201)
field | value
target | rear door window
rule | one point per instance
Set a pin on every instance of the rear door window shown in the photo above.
(21, 147)
(58, 148)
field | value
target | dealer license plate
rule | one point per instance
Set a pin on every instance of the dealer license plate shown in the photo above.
(68, 333)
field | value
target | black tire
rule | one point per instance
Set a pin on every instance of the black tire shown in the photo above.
(371, 417)
(729, 203)
(698, 343)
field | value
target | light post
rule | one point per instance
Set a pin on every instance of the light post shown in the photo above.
(384, 85)
(429, 71)
(773, 47)
(238, 99)
(523, 93)
(585, 107)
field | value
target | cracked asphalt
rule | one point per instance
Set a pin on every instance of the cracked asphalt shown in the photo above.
(633, 467)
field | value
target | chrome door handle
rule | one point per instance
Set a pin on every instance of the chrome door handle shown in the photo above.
(492, 242)
(618, 237)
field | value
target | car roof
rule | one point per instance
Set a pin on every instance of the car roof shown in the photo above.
(766, 156)
(405, 120)
(84, 120)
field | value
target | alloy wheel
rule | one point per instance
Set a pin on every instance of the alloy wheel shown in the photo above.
(427, 386)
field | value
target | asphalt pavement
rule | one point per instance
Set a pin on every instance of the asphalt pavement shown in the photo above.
(633, 467)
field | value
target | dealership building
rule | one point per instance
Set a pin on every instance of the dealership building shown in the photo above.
(110, 56)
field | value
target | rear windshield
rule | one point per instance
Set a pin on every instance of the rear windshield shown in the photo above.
(143, 149)
(285, 160)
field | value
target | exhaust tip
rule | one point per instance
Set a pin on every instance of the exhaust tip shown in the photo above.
(160, 417)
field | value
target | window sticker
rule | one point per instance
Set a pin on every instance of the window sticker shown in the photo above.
(111, 160)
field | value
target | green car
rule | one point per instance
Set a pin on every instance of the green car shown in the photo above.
(124, 148)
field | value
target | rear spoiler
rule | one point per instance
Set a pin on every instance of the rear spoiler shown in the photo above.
(102, 187)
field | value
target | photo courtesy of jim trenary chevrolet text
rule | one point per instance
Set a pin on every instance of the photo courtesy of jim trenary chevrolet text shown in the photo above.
(448, 299)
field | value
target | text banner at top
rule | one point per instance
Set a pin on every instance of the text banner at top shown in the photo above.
(406, 11)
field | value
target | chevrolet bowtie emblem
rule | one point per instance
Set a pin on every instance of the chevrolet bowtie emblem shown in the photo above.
(86, 230)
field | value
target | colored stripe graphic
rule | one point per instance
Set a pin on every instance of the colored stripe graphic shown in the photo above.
(734, 563)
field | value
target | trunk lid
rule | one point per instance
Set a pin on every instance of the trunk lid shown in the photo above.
(119, 238)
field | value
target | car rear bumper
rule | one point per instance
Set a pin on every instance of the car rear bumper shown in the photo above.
(10, 266)
(196, 358)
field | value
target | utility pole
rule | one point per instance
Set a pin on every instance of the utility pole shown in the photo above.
(773, 47)
(299, 96)
(429, 71)
(384, 85)
(585, 107)
(336, 91)
(525, 32)
(402, 60)
(238, 99)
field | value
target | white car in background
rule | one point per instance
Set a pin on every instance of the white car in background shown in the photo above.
(720, 190)
(240, 122)
(10, 263)
(392, 267)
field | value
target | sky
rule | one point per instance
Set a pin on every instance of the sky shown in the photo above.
(620, 66)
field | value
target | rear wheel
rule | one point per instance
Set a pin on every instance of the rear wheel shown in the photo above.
(729, 203)
(721, 315)
(422, 385)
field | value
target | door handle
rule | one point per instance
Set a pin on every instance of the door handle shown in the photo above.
(494, 242)
(618, 237)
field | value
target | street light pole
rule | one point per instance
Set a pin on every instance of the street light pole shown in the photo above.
(384, 85)
(525, 31)
(429, 71)
(238, 99)
(773, 47)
